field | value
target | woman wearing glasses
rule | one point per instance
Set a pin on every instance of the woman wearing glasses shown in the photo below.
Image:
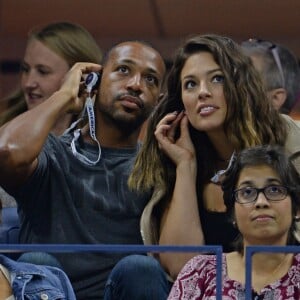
(262, 194)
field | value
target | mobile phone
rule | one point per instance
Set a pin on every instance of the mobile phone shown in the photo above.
(92, 81)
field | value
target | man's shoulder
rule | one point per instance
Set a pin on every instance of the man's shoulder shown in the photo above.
(65, 138)
(57, 144)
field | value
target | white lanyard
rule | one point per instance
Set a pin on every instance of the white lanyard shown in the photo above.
(89, 107)
(219, 176)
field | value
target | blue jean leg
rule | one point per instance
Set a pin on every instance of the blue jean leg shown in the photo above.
(137, 277)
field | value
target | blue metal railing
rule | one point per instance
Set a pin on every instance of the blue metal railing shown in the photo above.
(69, 248)
(250, 250)
(217, 250)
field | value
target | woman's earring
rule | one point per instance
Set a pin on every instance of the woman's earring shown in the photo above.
(297, 218)
(234, 223)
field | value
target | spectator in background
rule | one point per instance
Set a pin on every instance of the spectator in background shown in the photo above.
(262, 195)
(280, 71)
(50, 52)
(73, 188)
(295, 113)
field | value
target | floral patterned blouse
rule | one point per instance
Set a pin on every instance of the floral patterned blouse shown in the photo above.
(197, 280)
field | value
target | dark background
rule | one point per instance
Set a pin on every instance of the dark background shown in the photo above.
(162, 22)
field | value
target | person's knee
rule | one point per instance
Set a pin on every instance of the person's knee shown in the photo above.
(137, 277)
(138, 264)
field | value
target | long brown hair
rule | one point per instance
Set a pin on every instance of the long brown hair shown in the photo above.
(250, 118)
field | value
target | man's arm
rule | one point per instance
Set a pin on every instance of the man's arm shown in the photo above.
(22, 139)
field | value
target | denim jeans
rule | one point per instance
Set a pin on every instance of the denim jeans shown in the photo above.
(137, 277)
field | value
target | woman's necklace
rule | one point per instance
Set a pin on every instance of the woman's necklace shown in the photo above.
(222, 168)
(278, 268)
(274, 274)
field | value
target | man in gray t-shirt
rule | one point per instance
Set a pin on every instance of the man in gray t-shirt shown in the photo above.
(73, 189)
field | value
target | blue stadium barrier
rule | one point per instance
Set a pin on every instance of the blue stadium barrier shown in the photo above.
(69, 248)
(250, 250)
(217, 250)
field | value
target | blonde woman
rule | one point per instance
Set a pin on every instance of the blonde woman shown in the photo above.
(50, 52)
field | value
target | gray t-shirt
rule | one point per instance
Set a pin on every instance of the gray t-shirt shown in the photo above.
(6, 199)
(67, 201)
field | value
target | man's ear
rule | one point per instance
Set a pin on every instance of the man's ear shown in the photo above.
(278, 97)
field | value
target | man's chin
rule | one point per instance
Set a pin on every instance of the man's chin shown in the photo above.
(130, 124)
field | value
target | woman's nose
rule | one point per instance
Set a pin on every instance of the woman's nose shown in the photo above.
(261, 200)
(204, 91)
(29, 80)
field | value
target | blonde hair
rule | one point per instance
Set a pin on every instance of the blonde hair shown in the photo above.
(71, 41)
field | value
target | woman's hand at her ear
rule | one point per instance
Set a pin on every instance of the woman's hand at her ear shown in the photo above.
(180, 149)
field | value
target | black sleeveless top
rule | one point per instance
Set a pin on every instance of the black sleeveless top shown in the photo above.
(218, 229)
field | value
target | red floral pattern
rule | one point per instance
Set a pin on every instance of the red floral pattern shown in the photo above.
(197, 280)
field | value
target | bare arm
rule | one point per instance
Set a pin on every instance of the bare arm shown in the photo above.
(180, 224)
(22, 139)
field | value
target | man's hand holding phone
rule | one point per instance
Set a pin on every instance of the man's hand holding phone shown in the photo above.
(76, 83)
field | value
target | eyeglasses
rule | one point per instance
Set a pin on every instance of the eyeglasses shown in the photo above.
(274, 50)
(249, 194)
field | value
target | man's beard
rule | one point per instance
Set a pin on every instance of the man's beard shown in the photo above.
(126, 124)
